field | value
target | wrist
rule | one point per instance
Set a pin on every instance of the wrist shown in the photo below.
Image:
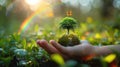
(102, 51)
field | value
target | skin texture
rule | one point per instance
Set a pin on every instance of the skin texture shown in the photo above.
(82, 51)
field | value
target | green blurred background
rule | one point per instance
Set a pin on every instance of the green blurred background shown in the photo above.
(103, 12)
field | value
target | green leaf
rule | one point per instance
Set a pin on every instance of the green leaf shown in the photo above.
(24, 43)
(110, 58)
(58, 59)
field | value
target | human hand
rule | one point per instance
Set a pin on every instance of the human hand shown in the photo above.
(71, 52)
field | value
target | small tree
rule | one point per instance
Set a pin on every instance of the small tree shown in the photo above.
(68, 23)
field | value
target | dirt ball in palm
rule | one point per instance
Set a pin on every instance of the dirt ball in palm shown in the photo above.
(69, 40)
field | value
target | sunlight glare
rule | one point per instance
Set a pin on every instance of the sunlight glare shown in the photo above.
(42, 6)
(32, 2)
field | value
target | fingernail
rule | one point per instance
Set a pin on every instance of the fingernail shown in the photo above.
(38, 41)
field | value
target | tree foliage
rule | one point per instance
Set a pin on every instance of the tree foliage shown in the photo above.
(68, 23)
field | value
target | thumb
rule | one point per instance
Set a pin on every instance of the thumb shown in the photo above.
(59, 47)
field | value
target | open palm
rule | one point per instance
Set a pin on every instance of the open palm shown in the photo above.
(74, 52)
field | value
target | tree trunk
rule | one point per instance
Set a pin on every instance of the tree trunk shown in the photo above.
(68, 30)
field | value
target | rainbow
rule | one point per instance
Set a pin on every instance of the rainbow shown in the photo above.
(25, 24)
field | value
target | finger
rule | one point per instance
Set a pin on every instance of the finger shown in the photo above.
(59, 47)
(49, 48)
(38, 43)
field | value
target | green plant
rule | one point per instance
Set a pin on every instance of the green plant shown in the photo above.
(68, 23)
